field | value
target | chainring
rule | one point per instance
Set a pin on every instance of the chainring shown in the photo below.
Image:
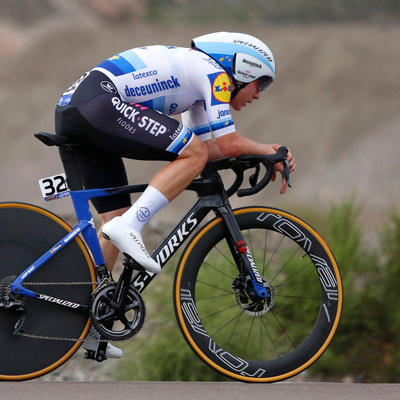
(112, 324)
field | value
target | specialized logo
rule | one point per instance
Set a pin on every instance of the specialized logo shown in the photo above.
(143, 214)
(172, 109)
(256, 48)
(61, 302)
(221, 88)
(108, 87)
(253, 267)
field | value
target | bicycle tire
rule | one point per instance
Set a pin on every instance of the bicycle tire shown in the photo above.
(235, 337)
(28, 232)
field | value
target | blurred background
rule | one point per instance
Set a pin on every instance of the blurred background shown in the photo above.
(335, 102)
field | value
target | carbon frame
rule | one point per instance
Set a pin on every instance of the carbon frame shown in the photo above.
(212, 196)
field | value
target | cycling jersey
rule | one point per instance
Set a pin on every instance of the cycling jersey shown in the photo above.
(171, 80)
(124, 106)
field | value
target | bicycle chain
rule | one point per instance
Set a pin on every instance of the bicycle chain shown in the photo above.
(61, 338)
(58, 283)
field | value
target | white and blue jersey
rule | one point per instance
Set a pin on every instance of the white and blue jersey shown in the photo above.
(124, 108)
(172, 80)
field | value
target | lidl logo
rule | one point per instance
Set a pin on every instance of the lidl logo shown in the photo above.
(221, 88)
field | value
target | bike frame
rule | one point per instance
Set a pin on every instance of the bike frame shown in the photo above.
(212, 197)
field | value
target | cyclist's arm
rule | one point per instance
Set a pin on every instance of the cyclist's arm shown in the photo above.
(234, 145)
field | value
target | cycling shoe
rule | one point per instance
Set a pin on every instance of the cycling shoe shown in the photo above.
(91, 343)
(129, 242)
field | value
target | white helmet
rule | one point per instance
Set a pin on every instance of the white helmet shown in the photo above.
(244, 57)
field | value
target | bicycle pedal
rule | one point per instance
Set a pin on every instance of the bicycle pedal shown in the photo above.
(90, 355)
(101, 352)
(100, 356)
(130, 262)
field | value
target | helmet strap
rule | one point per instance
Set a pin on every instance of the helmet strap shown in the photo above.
(238, 87)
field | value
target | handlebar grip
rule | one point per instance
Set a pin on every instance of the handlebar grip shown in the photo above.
(261, 185)
(268, 161)
(237, 183)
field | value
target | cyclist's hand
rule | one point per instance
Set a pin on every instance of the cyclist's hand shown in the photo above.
(279, 167)
(284, 183)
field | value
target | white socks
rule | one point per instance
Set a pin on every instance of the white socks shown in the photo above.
(125, 232)
(146, 206)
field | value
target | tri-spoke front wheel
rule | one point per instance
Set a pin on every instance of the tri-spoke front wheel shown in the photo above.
(250, 338)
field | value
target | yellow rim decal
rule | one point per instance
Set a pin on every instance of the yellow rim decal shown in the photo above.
(93, 277)
(182, 322)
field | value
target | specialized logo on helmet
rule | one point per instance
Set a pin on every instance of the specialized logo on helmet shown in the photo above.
(221, 88)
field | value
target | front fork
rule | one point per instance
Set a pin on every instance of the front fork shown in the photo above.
(241, 253)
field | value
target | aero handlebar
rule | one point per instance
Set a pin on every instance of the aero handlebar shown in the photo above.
(245, 162)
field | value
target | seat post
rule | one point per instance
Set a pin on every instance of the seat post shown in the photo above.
(71, 170)
(66, 149)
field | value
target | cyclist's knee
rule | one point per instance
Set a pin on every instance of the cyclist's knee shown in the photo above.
(197, 152)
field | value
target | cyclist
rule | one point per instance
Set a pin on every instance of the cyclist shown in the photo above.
(122, 108)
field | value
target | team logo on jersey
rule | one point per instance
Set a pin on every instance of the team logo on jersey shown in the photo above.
(221, 88)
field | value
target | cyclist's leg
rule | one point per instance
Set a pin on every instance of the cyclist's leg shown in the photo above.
(164, 187)
(176, 176)
(110, 252)
(108, 125)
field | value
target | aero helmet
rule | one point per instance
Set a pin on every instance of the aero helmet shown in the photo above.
(244, 57)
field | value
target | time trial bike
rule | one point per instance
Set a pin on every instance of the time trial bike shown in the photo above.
(257, 291)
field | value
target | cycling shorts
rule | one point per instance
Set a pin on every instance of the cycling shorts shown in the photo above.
(109, 129)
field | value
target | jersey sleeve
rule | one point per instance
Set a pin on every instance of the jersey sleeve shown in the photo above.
(196, 120)
(217, 97)
(213, 114)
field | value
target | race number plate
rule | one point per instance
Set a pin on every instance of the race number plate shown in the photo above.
(54, 187)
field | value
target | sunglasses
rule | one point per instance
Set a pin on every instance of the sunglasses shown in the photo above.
(264, 82)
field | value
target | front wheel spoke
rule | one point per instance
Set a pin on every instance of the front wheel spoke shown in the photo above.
(289, 296)
(224, 256)
(232, 320)
(216, 287)
(248, 336)
(286, 264)
(296, 272)
(283, 329)
(219, 296)
(263, 325)
(219, 311)
(273, 254)
(305, 283)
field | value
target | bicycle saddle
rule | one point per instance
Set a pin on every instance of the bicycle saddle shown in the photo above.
(49, 139)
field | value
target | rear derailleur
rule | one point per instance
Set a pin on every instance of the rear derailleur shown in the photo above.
(13, 302)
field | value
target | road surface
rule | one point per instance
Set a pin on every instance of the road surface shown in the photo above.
(196, 391)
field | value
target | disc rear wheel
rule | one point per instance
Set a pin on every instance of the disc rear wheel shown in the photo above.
(52, 333)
